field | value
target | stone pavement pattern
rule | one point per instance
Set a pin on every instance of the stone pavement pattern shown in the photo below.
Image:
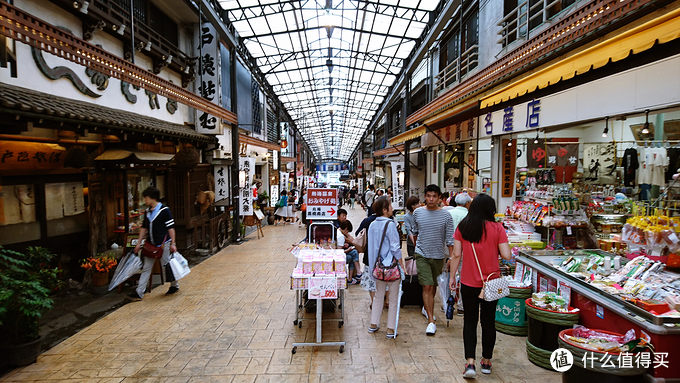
(232, 321)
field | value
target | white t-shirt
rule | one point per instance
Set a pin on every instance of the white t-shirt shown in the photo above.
(644, 173)
(659, 161)
(340, 239)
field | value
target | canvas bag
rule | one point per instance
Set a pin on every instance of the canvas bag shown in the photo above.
(360, 241)
(492, 289)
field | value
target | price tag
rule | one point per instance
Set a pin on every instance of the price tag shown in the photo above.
(323, 288)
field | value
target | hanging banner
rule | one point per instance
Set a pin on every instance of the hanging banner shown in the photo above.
(398, 193)
(283, 178)
(210, 86)
(508, 160)
(537, 155)
(247, 165)
(564, 159)
(361, 186)
(221, 188)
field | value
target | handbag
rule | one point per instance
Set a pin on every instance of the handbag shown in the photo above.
(384, 273)
(360, 241)
(303, 207)
(152, 251)
(493, 289)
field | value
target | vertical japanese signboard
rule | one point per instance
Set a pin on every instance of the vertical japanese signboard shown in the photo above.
(398, 199)
(221, 188)
(508, 159)
(274, 194)
(283, 178)
(360, 183)
(209, 82)
(246, 164)
(322, 204)
(275, 159)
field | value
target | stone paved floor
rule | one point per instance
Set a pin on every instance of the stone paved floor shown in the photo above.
(232, 321)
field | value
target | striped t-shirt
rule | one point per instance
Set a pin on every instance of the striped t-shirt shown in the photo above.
(434, 229)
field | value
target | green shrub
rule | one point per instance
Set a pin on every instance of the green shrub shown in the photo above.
(26, 285)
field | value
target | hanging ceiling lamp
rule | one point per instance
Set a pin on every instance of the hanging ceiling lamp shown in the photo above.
(606, 127)
(645, 129)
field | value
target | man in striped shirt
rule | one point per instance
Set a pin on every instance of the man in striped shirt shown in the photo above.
(434, 228)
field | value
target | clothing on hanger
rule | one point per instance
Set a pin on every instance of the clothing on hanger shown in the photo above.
(630, 165)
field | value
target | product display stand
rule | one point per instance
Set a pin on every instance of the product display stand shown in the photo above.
(299, 305)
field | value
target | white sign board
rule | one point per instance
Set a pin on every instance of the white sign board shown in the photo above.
(323, 288)
(398, 193)
(246, 164)
(274, 195)
(275, 158)
(322, 204)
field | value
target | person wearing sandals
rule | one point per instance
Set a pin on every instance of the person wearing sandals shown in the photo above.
(479, 240)
(385, 247)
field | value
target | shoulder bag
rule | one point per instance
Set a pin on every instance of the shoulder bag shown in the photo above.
(492, 289)
(380, 271)
(360, 241)
(152, 251)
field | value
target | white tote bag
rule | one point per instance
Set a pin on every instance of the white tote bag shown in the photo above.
(179, 265)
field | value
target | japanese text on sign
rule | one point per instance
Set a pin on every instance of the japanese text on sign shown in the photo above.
(323, 288)
(322, 203)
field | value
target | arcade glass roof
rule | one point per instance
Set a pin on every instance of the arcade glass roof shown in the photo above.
(331, 62)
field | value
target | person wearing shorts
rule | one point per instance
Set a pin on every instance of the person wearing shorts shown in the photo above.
(344, 241)
(434, 229)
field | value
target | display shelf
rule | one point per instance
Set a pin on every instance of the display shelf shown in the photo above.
(538, 200)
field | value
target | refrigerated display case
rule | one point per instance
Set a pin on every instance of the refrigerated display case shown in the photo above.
(602, 310)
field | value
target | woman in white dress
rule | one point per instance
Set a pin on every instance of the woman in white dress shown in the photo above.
(281, 213)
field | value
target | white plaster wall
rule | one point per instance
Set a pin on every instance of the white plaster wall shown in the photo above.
(490, 13)
(29, 76)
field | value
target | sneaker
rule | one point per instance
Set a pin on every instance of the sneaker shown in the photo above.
(431, 329)
(134, 297)
(371, 330)
(486, 368)
(172, 290)
(461, 313)
(469, 372)
(425, 314)
(392, 334)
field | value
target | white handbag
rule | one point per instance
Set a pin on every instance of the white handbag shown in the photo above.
(493, 289)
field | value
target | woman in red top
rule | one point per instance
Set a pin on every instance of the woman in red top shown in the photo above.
(480, 230)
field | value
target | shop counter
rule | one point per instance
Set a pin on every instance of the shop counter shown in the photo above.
(601, 310)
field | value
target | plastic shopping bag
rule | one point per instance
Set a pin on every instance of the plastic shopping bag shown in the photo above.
(128, 266)
(444, 291)
(179, 265)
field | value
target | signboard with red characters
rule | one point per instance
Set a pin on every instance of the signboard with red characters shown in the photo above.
(322, 204)
(323, 287)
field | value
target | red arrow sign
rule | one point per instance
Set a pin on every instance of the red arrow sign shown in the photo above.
(332, 211)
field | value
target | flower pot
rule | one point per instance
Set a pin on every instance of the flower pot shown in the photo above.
(100, 279)
(22, 354)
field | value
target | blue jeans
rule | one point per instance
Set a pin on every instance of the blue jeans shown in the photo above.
(351, 257)
(645, 192)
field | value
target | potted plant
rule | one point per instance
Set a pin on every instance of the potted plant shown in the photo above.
(100, 266)
(26, 283)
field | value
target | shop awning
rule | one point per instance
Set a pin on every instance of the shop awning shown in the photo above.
(15, 100)
(387, 151)
(662, 29)
(408, 135)
(133, 155)
(244, 139)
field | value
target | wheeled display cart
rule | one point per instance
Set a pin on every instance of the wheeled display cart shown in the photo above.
(319, 231)
(300, 303)
(601, 310)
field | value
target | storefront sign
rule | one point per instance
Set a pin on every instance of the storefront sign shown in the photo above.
(275, 159)
(17, 204)
(322, 204)
(323, 288)
(209, 84)
(513, 118)
(64, 200)
(398, 192)
(508, 158)
(283, 178)
(30, 155)
(221, 186)
(274, 194)
(247, 165)
(360, 182)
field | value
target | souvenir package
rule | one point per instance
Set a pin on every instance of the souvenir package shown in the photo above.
(551, 301)
(340, 263)
(608, 342)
